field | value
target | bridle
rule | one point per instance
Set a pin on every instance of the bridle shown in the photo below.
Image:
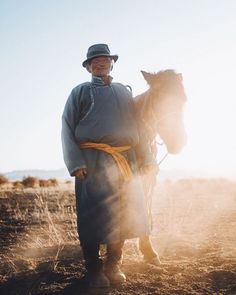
(156, 122)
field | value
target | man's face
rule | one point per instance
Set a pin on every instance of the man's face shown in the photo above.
(100, 66)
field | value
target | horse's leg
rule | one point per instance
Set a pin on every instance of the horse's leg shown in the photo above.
(146, 248)
(148, 174)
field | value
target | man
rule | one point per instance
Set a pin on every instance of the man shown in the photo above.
(101, 144)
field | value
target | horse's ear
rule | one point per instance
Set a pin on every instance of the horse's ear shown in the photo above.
(148, 77)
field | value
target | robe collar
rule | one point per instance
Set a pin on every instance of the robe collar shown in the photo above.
(98, 81)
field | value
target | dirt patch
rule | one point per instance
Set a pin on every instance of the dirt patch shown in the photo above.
(194, 229)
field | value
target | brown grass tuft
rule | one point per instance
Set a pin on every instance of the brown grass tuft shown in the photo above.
(3, 180)
(30, 181)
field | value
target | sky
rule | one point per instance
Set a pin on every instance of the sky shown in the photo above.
(43, 44)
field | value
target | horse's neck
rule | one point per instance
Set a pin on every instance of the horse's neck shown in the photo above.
(139, 98)
(140, 101)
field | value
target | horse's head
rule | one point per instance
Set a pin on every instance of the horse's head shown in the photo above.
(163, 108)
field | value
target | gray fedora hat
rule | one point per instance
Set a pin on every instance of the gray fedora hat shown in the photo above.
(98, 50)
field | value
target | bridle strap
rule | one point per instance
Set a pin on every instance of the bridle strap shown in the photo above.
(156, 122)
(163, 158)
(153, 117)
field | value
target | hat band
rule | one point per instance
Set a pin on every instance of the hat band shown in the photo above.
(93, 53)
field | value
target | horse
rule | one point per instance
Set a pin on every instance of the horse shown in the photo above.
(160, 111)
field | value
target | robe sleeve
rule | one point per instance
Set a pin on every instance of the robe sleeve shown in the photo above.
(72, 154)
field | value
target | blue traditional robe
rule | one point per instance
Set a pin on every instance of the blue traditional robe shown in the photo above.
(108, 209)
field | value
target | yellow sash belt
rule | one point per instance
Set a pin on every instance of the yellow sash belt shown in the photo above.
(115, 152)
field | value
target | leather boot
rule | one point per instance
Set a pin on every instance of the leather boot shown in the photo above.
(95, 277)
(113, 262)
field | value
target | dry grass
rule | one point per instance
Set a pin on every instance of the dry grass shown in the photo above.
(33, 221)
(3, 180)
(28, 182)
(194, 232)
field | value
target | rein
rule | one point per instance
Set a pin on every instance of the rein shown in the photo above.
(163, 158)
(152, 115)
(153, 119)
(152, 124)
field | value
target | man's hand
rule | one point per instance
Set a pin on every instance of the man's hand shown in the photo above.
(81, 173)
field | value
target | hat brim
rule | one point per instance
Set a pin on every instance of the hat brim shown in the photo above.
(114, 57)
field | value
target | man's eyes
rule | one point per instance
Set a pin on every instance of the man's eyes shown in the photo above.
(102, 60)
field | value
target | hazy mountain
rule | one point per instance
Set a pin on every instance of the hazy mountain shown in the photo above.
(43, 174)
(63, 174)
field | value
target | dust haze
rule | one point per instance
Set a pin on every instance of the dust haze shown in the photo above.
(194, 229)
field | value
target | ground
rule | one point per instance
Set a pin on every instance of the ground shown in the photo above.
(194, 230)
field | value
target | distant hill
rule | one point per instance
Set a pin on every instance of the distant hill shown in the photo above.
(43, 174)
(63, 174)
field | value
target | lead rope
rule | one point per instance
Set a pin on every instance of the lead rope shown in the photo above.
(163, 158)
(150, 191)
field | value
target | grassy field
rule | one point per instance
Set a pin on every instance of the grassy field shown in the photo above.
(194, 231)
